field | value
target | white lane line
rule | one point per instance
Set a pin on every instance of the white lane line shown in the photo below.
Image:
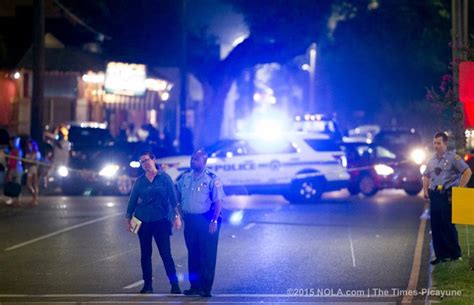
(352, 248)
(133, 285)
(426, 214)
(415, 268)
(61, 231)
(249, 226)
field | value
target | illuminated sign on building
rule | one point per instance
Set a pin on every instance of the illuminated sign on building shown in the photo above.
(125, 79)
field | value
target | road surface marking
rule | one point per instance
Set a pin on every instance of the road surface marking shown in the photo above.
(415, 269)
(133, 285)
(352, 248)
(426, 214)
(249, 226)
(61, 231)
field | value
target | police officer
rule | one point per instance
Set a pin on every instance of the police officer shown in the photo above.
(200, 194)
(152, 196)
(444, 171)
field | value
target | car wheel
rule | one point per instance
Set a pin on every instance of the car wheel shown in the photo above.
(125, 185)
(353, 189)
(413, 190)
(367, 186)
(306, 190)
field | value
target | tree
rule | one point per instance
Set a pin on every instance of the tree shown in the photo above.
(279, 31)
(388, 54)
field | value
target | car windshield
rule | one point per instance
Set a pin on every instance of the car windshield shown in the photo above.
(398, 139)
(88, 136)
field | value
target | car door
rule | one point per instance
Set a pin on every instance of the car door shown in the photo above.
(233, 164)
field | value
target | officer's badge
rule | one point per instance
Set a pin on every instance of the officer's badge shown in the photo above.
(218, 183)
(457, 157)
(446, 165)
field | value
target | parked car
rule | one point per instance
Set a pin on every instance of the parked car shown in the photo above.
(108, 170)
(86, 140)
(374, 167)
(300, 167)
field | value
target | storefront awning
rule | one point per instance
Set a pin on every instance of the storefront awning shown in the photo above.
(151, 100)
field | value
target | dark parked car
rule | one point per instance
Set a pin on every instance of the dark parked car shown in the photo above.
(373, 167)
(109, 170)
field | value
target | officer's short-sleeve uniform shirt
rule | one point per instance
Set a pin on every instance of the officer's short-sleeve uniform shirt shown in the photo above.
(445, 171)
(198, 194)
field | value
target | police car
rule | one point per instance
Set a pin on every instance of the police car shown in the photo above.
(300, 166)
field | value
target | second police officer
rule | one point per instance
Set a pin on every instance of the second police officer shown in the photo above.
(200, 193)
(444, 171)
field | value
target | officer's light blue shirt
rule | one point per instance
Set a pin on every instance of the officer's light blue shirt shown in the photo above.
(151, 201)
(445, 171)
(198, 194)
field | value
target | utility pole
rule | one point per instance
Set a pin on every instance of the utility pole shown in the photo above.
(460, 45)
(183, 93)
(36, 109)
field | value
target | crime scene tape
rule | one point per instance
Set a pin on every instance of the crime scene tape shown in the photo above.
(166, 165)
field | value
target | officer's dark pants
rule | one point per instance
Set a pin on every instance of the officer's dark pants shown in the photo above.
(443, 231)
(202, 251)
(161, 231)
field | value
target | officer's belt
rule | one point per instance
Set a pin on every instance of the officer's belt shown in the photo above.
(440, 189)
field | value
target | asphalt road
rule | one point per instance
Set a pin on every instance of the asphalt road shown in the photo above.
(343, 249)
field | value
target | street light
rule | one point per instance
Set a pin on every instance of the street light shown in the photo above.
(312, 72)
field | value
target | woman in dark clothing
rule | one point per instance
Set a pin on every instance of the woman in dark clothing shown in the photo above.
(152, 201)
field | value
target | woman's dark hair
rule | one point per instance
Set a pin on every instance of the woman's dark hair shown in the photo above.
(148, 153)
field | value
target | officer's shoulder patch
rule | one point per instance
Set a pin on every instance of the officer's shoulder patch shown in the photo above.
(457, 157)
(211, 174)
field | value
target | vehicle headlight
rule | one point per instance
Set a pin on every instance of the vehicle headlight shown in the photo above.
(134, 164)
(109, 171)
(63, 171)
(422, 169)
(418, 155)
(383, 170)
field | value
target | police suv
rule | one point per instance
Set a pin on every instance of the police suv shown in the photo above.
(300, 166)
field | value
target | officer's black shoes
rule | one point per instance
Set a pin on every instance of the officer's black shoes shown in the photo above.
(175, 289)
(205, 294)
(191, 291)
(437, 261)
(146, 289)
